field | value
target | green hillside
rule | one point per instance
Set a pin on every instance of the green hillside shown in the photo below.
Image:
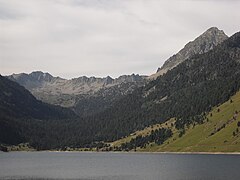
(218, 133)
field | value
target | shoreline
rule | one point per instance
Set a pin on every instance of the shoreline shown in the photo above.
(124, 152)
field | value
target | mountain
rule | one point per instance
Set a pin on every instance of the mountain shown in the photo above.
(77, 92)
(202, 44)
(186, 93)
(17, 105)
(89, 95)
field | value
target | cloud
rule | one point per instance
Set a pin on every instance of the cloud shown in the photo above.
(71, 38)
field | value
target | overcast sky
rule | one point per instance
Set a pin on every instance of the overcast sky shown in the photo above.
(71, 38)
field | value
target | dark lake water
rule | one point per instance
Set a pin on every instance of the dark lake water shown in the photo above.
(117, 166)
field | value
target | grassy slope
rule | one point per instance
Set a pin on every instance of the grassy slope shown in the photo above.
(143, 132)
(199, 138)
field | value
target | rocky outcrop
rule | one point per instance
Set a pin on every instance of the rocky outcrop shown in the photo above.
(202, 44)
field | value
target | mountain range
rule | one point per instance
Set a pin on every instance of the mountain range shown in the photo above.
(204, 74)
(75, 92)
(38, 82)
(90, 95)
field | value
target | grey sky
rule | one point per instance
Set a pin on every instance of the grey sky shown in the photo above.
(71, 38)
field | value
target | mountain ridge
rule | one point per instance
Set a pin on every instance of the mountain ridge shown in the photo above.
(202, 44)
(64, 92)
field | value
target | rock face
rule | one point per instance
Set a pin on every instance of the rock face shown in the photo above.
(202, 44)
(59, 91)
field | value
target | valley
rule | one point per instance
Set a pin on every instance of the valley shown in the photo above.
(192, 107)
(119, 90)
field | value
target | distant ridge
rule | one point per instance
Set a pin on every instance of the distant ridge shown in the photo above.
(40, 81)
(86, 95)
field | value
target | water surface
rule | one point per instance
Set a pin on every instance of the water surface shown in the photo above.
(117, 166)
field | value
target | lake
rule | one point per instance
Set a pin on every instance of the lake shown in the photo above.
(117, 166)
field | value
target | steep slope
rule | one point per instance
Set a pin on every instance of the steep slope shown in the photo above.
(185, 92)
(19, 107)
(17, 102)
(85, 95)
(202, 44)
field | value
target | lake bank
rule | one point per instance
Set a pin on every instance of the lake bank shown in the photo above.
(133, 152)
(25, 147)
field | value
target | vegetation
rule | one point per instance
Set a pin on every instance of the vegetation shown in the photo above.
(219, 132)
(22, 115)
(145, 132)
(87, 105)
(157, 136)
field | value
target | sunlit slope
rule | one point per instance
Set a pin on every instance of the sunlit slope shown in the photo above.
(146, 131)
(219, 132)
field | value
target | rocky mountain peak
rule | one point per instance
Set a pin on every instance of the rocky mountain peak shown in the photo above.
(108, 80)
(129, 78)
(202, 44)
(32, 80)
(215, 31)
(40, 76)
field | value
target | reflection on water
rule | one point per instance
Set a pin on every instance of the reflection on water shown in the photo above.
(117, 166)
